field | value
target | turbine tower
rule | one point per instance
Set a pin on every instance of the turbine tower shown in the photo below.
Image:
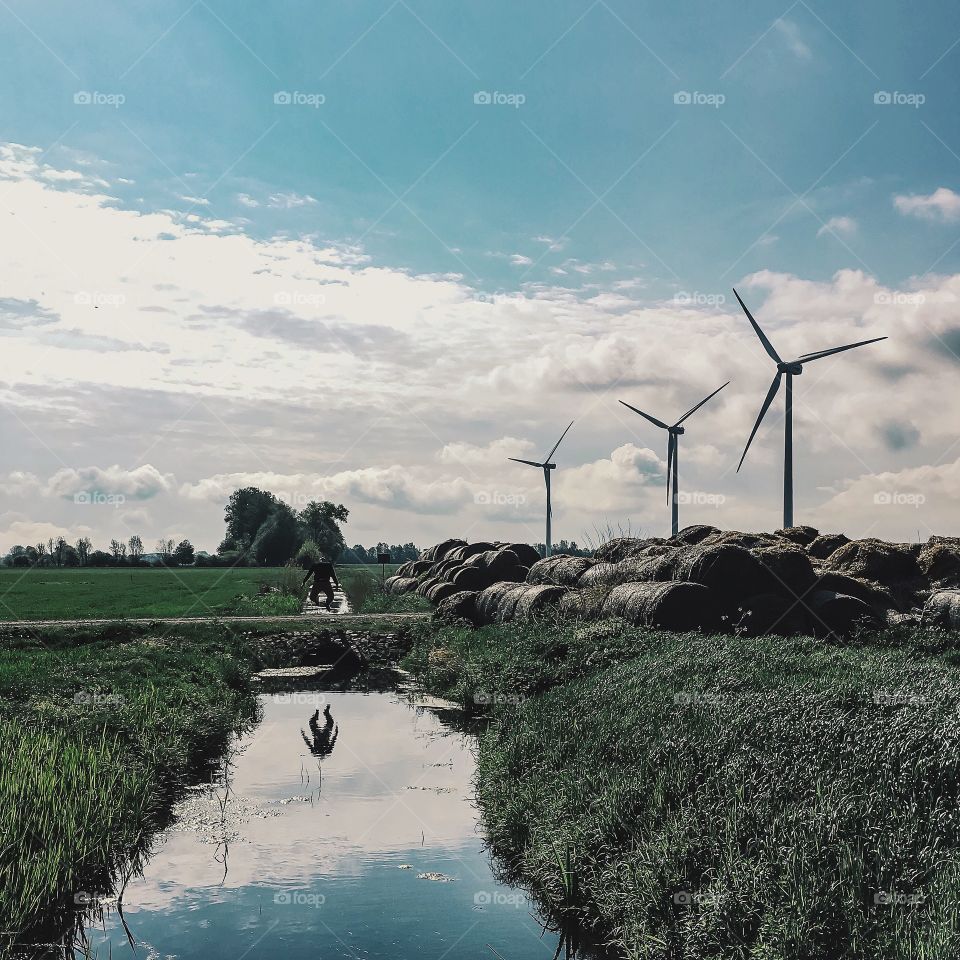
(673, 443)
(546, 467)
(790, 369)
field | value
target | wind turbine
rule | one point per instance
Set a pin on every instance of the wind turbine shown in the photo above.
(546, 467)
(790, 368)
(672, 445)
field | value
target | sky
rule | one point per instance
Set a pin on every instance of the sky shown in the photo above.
(366, 252)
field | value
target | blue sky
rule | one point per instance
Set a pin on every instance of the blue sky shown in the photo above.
(641, 155)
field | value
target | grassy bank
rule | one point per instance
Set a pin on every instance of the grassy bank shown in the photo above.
(99, 733)
(718, 796)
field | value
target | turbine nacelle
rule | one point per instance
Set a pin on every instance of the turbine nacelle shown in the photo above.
(794, 369)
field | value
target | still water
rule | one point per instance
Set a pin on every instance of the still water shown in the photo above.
(354, 837)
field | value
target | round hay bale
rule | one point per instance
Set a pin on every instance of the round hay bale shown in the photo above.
(877, 560)
(771, 614)
(480, 560)
(732, 572)
(542, 571)
(398, 585)
(442, 590)
(426, 584)
(825, 544)
(418, 567)
(940, 560)
(504, 565)
(672, 606)
(405, 569)
(535, 600)
(461, 605)
(839, 615)
(801, 536)
(749, 541)
(942, 609)
(791, 572)
(470, 578)
(584, 604)
(441, 550)
(658, 567)
(695, 533)
(489, 599)
(599, 575)
(527, 555)
(875, 596)
(507, 604)
(472, 549)
(442, 567)
(617, 549)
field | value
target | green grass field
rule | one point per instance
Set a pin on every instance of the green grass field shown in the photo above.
(110, 593)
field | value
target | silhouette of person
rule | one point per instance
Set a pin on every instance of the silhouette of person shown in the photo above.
(325, 737)
(322, 572)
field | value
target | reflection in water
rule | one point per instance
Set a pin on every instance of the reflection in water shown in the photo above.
(325, 737)
(386, 862)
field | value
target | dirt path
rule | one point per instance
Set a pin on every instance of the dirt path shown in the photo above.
(308, 618)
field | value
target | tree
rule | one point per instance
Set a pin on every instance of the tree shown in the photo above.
(278, 537)
(308, 553)
(119, 550)
(246, 512)
(184, 553)
(41, 549)
(320, 522)
(59, 551)
(82, 547)
(100, 559)
(136, 549)
(165, 548)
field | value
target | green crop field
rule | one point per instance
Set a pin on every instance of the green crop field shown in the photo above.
(112, 593)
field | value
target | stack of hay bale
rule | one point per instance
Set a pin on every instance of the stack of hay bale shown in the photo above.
(793, 581)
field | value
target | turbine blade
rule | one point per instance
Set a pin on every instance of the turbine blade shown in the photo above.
(557, 444)
(671, 451)
(531, 463)
(771, 393)
(767, 345)
(807, 357)
(699, 405)
(653, 420)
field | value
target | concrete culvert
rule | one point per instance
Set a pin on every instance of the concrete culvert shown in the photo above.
(461, 605)
(825, 544)
(442, 590)
(886, 563)
(671, 606)
(731, 571)
(943, 610)
(535, 600)
(801, 536)
(791, 572)
(836, 614)
(489, 599)
(771, 614)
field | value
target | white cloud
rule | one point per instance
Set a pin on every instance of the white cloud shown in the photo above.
(141, 483)
(942, 205)
(839, 226)
(790, 33)
(288, 201)
(519, 260)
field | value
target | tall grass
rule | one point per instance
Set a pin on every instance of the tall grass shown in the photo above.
(97, 741)
(722, 797)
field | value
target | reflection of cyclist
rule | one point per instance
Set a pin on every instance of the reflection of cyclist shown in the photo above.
(322, 572)
(325, 737)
